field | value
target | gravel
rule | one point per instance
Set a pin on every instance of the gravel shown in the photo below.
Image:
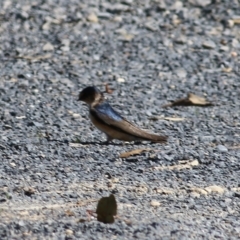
(53, 167)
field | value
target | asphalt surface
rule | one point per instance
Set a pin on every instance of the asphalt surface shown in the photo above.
(53, 166)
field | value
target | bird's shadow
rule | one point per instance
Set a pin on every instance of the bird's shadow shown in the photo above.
(101, 143)
(113, 143)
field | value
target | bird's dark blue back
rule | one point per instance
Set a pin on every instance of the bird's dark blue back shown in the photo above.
(106, 110)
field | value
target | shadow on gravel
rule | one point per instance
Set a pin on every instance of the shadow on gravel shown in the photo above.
(114, 144)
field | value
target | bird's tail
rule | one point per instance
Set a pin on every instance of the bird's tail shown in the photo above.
(157, 138)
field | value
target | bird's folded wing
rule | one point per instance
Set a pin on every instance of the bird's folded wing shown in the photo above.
(114, 119)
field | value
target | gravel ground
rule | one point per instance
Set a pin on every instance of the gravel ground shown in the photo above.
(53, 167)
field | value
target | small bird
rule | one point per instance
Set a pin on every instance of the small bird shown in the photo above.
(107, 120)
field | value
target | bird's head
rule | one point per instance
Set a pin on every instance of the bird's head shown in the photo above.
(90, 95)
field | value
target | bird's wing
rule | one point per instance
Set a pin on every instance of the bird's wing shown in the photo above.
(109, 116)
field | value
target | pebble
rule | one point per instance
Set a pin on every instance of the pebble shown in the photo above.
(69, 232)
(92, 17)
(201, 3)
(222, 149)
(155, 203)
(120, 80)
(209, 44)
(48, 47)
(206, 138)
(181, 73)
(235, 43)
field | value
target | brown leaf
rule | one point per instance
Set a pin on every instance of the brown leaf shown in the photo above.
(174, 119)
(194, 99)
(29, 191)
(191, 100)
(133, 152)
(69, 213)
(108, 90)
(227, 70)
(236, 20)
(106, 209)
(36, 58)
(184, 164)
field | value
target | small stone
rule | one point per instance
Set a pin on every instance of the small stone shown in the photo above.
(222, 149)
(104, 15)
(96, 57)
(46, 26)
(209, 44)
(117, 19)
(155, 203)
(69, 232)
(48, 47)
(65, 48)
(181, 40)
(116, 8)
(215, 189)
(181, 73)
(235, 43)
(224, 48)
(230, 23)
(151, 26)
(21, 223)
(206, 138)
(121, 80)
(177, 5)
(176, 21)
(92, 17)
(12, 164)
(162, 5)
(234, 54)
(66, 42)
(115, 180)
(200, 3)
(127, 2)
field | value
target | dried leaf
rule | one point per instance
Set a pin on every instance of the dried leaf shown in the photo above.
(196, 100)
(36, 58)
(184, 164)
(69, 213)
(235, 147)
(174, 119)
(133, 152)
(29, 191)
(236, 20)
(227, 70)
(106, 209)
(108, 90)
(191, 100)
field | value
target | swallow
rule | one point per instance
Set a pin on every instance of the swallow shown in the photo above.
(109, 121)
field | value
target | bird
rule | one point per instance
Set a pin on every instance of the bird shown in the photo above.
(109, 121)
